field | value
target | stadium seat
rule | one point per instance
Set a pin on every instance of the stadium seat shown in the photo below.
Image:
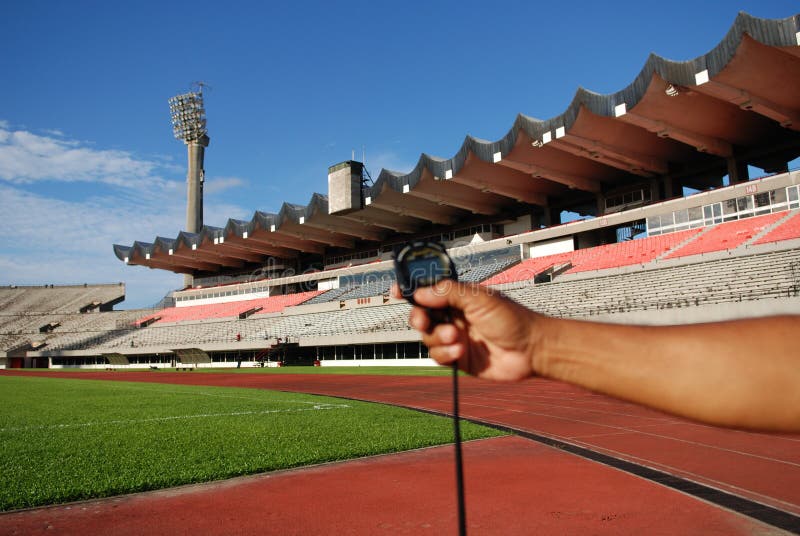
(637, 251)
(788, 230)
(528, 269)
(729, 235)
(272, 304)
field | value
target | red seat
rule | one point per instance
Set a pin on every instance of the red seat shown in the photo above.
(272, 304)
(788, 230)
(727, 235)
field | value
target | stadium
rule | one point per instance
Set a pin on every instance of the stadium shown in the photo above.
(642, 206)
(310, 283)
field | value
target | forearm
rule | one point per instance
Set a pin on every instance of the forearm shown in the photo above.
(742, 373)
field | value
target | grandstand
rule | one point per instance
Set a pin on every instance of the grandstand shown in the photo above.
(671, 228)
(60, 299)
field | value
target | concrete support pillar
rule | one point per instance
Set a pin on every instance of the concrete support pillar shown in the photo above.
(737, 170)
(549, 215)
(539, 216)
(668, 187)
(195, 176)
(601, 204)
(655, 194)
(194, 184)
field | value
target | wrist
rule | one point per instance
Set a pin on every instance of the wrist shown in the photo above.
(540, 340)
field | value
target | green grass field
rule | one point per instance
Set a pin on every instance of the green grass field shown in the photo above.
(65, 440)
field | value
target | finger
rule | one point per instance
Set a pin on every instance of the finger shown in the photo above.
(447, 354)
(435, 297)
(418, 319)
(441, 335)
(452, 294)
(394, 291)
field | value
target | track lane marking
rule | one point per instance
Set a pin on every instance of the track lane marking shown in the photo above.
(634, 431)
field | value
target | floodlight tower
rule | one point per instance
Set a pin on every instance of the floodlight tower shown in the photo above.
(189, 125)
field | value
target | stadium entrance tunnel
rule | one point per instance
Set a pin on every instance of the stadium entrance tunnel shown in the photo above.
(292, 355)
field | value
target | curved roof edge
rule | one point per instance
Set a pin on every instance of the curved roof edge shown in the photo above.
(289, 213)
(772, 32)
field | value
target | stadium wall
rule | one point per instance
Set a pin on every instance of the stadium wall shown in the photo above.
(422, 362)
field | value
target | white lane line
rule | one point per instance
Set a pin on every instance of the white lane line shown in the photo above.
(221, 395)
(634, 431)
(683, 473)
(316, 407)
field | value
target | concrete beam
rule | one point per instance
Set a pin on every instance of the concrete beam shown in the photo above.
(306, 232)
(572, 181)
(597, 157)
(362, 230)
(261, 248)
(785, 117)
(620, 158)
(191, 262)
(446, 192)
(206, 255)
(400, 204)
(516, 192)
(278, 240)
(501, 180)
(237, 252)
(476, 207)
(413, 212)
(154, 264)
(394, 221)
(701, 142)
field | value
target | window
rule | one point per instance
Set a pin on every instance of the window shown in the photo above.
(762, 203)
(627, 198)
(695, 217)
(745, 206)
(654, 225)
(729, 210)
(713, 213)
(794, 196)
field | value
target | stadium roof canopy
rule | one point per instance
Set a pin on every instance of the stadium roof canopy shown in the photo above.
(678, 123)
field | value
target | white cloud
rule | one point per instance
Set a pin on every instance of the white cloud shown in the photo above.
(143, 287)
(84, 228)
(390, 161)
(60, 240)
(27, 158)
(48, 240)
(215, 185)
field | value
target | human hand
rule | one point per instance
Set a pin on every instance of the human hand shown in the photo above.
(490, 336)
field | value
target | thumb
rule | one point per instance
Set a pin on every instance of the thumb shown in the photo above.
(448, 293)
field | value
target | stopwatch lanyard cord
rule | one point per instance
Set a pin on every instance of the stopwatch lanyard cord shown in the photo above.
(462, 511)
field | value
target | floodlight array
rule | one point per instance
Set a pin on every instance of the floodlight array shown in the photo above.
(188, 116)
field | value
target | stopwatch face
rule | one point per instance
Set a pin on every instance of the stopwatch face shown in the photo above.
(422, 264)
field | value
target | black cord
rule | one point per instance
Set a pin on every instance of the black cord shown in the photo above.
(462, 509)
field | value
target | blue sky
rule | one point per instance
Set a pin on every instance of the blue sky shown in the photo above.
(87, 157)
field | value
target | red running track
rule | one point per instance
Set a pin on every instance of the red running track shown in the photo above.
(513, 486)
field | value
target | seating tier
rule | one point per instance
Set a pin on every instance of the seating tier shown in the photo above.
(788, 230)
(271, 304)
(727, 235)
